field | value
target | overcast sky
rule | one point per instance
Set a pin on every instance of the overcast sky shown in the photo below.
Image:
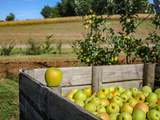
(26, 9)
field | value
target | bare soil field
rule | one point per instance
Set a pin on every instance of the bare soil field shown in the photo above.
(11, 67)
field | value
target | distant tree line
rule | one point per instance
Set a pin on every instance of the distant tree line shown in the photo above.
(80, 7)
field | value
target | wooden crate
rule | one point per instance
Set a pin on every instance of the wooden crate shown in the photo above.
(38, 101)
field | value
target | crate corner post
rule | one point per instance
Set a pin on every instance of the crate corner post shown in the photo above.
(149, 75)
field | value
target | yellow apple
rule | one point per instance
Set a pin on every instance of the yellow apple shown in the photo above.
(53, 77)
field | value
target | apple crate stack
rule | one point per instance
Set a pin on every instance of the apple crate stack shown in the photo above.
(40, 102)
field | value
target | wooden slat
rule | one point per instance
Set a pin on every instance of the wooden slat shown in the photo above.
(49, 104)
(122, 72)
(27, 112)
(76, 76)
(71, 75)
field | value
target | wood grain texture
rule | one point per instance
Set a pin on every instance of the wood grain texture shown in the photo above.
(27, 112)
(49, 105)
(122, 72)
(149, 75)
(96, 78)
(71, 75)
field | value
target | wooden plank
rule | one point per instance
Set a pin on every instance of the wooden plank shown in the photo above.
(149, 75)
(122, 72)
(49, 104)
(71, 75)
(76, 76)
(126, 84)
(27, 112)
(96, 78)
(29, 72)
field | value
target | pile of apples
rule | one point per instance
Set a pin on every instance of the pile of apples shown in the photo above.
(116, 103)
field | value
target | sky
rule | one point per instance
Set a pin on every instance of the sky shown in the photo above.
(26, 9)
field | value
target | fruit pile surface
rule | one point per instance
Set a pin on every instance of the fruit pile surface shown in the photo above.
(117, 103)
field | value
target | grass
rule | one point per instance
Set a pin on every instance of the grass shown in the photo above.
(20, 54)
(9, 98)
(65, 32)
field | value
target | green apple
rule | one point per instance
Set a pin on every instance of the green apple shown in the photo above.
(104, 116)
(79, 102)
(95, 113)
(126, 107)
(81, 95)
(152, 98)
(106, 90)
(88, 91)
(134, 94)
(109, 96)
(53, 77)
(128, 93)
(101, 94)
(74, 90)
(140, 97)
(153, 115)
(111, 88)
(158, 95)
(146, 93)
(104, 102)
(71, 99)
(100, 109)
(157, 107)
(120, 89)
(117, 99)
(132, 102)
(157, 91)
(125, 116)
(124, 97)
(134, 90)
(114, 116)
(112, 108)
(139, 115)
(146, 89)
(90, 107)
(90, 98)
(152, 106)
(142, 106)
(95, 101)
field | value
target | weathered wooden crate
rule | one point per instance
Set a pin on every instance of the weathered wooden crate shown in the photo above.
(40, 102)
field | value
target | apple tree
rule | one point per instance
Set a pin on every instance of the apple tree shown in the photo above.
(92, 49)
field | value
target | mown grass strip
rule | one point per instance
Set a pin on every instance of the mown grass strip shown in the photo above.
(61, 20)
